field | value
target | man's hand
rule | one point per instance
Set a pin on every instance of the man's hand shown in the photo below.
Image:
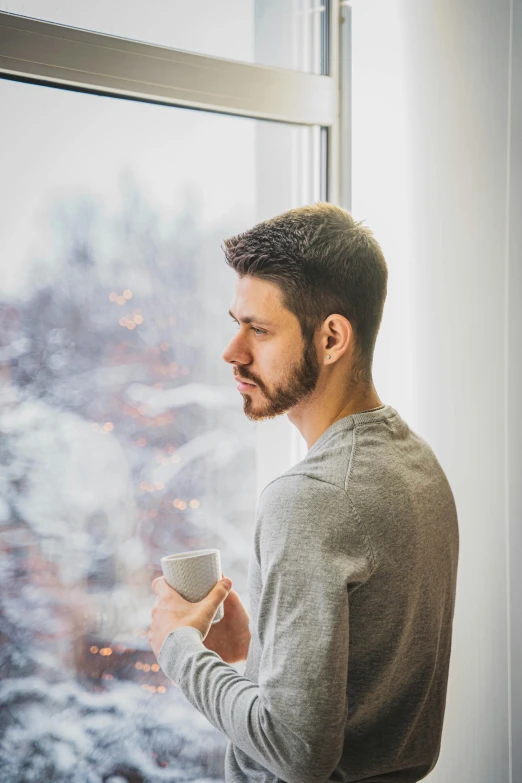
(171, 611)
(230, 638)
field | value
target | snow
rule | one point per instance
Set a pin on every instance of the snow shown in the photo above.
(80, 538)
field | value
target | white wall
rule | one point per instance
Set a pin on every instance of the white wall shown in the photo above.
(437, 174)
(514, 391)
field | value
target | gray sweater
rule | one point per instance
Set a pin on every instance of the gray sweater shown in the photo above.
(352, 587)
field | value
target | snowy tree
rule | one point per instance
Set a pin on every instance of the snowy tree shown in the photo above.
(118, 444)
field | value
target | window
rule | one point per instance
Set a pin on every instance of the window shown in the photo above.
(122, 435)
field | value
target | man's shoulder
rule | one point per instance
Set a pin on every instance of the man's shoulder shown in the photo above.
(299, 483)
(301, 502)
(320, 470)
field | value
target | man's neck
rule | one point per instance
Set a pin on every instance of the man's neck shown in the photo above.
(312, 423)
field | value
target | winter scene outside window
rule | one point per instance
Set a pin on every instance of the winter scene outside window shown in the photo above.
(122, 435)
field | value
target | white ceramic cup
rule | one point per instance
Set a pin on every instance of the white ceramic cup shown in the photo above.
(194, 574)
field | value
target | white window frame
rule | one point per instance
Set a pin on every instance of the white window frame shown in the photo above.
(57, 55)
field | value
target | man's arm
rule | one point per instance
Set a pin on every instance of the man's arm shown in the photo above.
(311, 549)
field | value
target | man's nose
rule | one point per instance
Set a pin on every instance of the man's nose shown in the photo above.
(235, 351)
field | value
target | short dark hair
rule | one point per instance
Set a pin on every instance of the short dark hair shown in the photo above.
(324, 262)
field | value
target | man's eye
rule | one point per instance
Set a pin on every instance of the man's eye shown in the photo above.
(261, 331)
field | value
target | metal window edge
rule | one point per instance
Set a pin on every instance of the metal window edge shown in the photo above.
(67, 57)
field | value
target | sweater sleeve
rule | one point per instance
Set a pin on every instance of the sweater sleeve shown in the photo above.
(311, 550)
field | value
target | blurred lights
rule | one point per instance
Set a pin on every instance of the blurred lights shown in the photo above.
(171, 369)
(146, 487)
(131, 323)
(153, 689)
(159, 421)
(177, 503)
(181, 504)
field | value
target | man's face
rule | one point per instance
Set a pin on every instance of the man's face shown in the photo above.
(269, 351)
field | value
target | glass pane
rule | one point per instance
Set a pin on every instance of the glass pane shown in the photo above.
(280, 33)
(122, 434)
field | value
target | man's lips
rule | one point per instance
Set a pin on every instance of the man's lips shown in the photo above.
(243, 382)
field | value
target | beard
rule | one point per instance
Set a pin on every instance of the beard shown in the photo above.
(263, 403)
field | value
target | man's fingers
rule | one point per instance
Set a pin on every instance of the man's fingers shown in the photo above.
(160, 586)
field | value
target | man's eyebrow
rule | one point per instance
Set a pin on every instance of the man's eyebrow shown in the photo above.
(248, 319)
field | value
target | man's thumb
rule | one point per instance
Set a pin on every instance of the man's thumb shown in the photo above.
(227, 584)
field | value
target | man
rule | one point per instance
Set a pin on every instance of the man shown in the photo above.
(353, 575)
